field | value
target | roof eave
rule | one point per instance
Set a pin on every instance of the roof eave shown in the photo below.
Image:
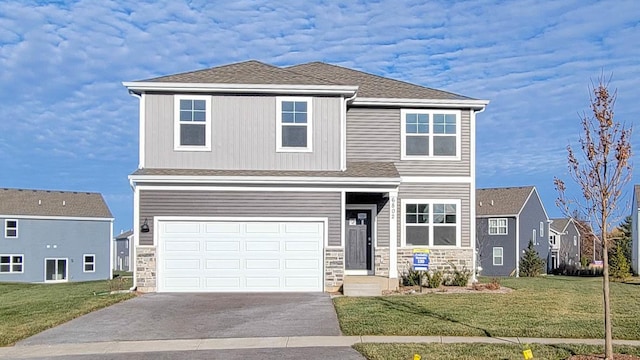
(441, 103)
(142, 87)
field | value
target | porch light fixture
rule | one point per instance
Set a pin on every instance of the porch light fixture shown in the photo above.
(144, 227)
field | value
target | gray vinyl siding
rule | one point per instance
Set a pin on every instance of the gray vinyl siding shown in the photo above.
(243, 136)
(122, 256)
(373, 134)
(241, 204)
(485, 244)
(68, 239)
(635, 236)
(383, 225)
(568, 253)
(439, 191)
(530, 217)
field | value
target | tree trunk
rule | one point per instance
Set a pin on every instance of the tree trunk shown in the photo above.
(608, 336)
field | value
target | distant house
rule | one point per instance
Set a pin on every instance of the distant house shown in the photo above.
(564, 239)
(123, 251)
(635, 230)
(54, 236)
(507, 218)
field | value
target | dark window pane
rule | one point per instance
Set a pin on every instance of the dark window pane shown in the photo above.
(412, 118)
(450, 219)
(199, 116)
(417, 145)
(287, 117)
(423, 129)
(287, 106)
(294, 136)
(4, 259)
(423, 119)
(185, 105)
(301, 118)
(12, 224)
(412, 129)
(438, 218)
(199, 105)
(186, 115)
(88, 267)
(423, 218)
(444, 235)
(444, 145)
(411, 218)
(438, 208)
(17, 268)
(88, 259)
(411, 208)
(12, 233)
(4, 268)
(438, 129)
(417, 235)
(301, 106)
(62, 269)
(17, 259)
(192, 134)
(423, 208)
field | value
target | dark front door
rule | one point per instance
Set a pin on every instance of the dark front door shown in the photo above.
(358, 247)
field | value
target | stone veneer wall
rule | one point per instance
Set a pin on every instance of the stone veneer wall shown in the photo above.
(146, 269)
(439, 259)
(333, 268)
(381, 261)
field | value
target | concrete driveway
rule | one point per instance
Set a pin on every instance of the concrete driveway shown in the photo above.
(161, 316)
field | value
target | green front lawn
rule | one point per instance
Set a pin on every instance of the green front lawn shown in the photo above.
(27, 309)
(480, 351)
(553, 306)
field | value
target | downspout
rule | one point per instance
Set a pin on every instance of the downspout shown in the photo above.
(472, 196)
(343, 131)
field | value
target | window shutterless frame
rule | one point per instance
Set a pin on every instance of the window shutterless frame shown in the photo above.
(89, 263)
(428, 134)
(189, 118)
(11, 263)
(439, 218)
(11, 228)
(498, 259)
(498, 226)
(294, 124)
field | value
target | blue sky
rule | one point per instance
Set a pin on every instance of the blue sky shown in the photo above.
(67, 123)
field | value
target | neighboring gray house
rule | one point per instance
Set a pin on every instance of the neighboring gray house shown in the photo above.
(564, 240)
(123, 251)
(54, 236)
(254, 177)
(635, 230)
(507, 218)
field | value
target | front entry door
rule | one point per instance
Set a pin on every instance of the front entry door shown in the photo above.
(358, 249)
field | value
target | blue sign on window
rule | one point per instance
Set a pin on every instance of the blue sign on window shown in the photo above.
(421, 259)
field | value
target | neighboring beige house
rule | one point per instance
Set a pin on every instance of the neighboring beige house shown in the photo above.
(254, 177)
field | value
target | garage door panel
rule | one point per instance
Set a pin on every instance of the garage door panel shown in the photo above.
(241, 256)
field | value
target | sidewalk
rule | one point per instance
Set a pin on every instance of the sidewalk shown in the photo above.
(124, 347)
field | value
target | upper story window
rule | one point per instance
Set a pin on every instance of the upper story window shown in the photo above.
(192, 123)
(11, 228)
(294, 120)
(430, 134)
(498, 226)
(575, 240)
(552, 240)
(431, 222)
(541, 229)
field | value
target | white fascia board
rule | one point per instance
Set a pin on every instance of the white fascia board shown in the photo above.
(264, 180)
(241, 88)
(437, 179)
(438, 103)
(39, 217)
(498, 216)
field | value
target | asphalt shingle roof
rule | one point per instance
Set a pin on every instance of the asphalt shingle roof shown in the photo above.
(501, 201)
(314, 73)
(354, 169)
(53, 203)
(559, 224)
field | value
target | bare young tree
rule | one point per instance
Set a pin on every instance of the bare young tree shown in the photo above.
(601, 172)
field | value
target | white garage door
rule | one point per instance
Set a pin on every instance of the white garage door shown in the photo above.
(240, 256)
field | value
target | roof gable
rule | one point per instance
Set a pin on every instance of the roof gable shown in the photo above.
(560, 224)
(25, 202)
(373, 86)
(502, 201)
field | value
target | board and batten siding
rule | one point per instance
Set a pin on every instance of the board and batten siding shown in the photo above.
(243, 136)
(439, 191)
(373, 134)
(241, 204)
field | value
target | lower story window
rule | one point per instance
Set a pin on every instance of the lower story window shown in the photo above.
(89, 263)
(498, 259)
(11, 264)
(431, 222)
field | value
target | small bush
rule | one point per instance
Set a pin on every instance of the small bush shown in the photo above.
(458, 277)
(531, 264)
(434, 279)
(411, 278)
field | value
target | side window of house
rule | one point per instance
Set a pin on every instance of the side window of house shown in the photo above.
(10, 263)
(430, 134)
(575, 240)
(498, 260)
(534, 238)
(192, 123)
(431, 223)
(498, 226)
(89, 263)
(11, 228)
(294, 124)
(541, 229)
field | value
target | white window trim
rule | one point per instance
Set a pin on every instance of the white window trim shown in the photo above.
(66, 279)
(501, 256)
(403, 132)
(176, 123)
(575, 240)
(506, 226)
(11, 264)
(541, 229)
(309, 101)
(85, 263)
(6, 221)
(402, 214)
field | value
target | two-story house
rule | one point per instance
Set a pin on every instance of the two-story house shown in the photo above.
(123, 251)
(54, 236)
(254, 177)
(564, 241)
(635, 230)
(507, 219)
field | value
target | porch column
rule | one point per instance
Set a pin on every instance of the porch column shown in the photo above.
(393, 234)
